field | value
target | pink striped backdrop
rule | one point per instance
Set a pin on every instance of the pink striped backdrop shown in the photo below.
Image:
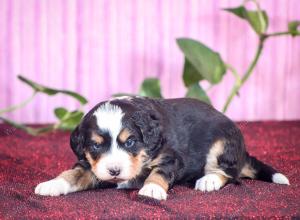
(98, 48)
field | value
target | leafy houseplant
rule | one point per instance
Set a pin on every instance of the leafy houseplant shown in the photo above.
(201, 64)
(67, 120)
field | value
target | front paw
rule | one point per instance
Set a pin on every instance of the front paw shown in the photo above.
(54, 187)
(154, 191)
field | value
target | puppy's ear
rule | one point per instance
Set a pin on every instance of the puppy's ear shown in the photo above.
(150, 125)
(77, 142)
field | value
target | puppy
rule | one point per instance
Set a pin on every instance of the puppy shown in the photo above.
(152, 144)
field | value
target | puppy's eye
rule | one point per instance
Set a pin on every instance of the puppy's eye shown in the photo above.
(96, 146)
(129, 143)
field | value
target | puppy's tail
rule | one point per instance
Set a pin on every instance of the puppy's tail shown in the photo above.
(255, 169)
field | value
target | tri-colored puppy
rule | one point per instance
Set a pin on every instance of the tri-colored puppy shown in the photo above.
(152, 144)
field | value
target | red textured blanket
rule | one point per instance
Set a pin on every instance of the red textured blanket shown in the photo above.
(26, 161)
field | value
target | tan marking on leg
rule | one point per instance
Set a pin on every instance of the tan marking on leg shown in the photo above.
(156, 161)
(215, 151)
(223, 178)
(157, 179)
(97, 138)
(248, 171)
(79, 178)
(124, 135)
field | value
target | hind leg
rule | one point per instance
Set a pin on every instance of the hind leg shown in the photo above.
(221, 166)
(211, 182)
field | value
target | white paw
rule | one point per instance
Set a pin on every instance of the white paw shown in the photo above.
(54, 187)
(154, 191)
(209, 182)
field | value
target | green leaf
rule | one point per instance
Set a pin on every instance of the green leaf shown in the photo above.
(293, 28)
(190, 74)
(75, 95)
(70, 122)
(49, 91)
(60, 112)
(207, 63)
(257, 19)
(150, 88)
(238, 11)
(197, 92)
(259, 22)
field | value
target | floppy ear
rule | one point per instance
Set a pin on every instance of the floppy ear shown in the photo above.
(77, 142)
(150, 125)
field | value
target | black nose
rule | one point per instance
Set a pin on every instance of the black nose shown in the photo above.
(114, 171)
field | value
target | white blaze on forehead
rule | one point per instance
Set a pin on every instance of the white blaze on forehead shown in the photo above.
(125, 97)
(109, 118)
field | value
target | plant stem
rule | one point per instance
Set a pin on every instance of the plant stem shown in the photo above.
(18, 106)
(254, 62)
(20, 126)
(277, 34)
(236, 87)
(29, 130)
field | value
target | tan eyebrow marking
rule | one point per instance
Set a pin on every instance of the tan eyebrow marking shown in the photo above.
(124, 135)
(97, 138)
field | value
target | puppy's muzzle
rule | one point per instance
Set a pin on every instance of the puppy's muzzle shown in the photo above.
(114, 172)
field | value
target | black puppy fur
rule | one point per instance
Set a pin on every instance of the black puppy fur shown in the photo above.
(182, 139)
